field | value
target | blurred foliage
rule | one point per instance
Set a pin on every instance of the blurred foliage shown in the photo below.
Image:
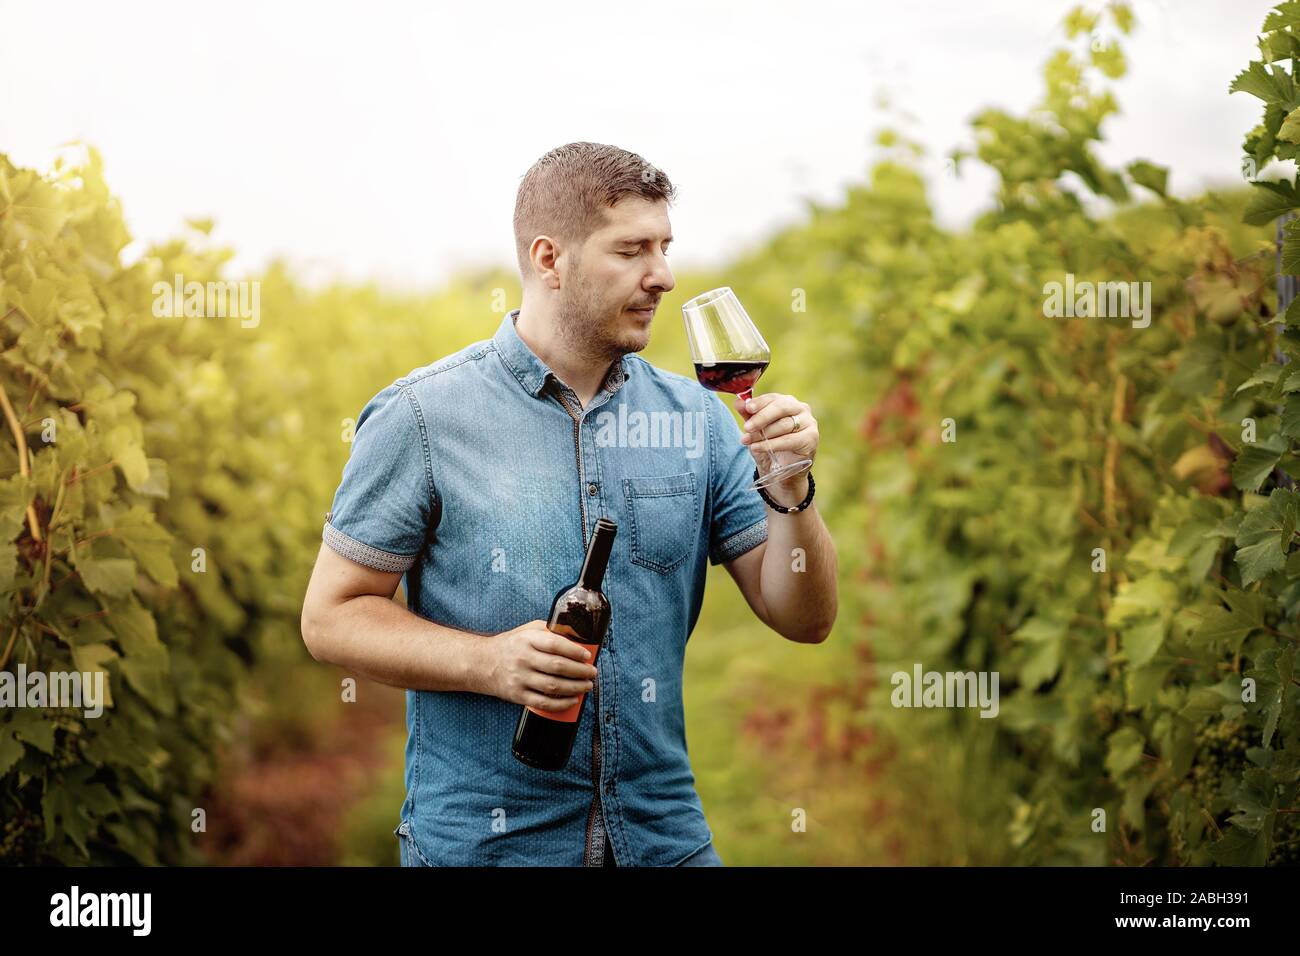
(1000, 448)
(135, 539)
(1121, 688)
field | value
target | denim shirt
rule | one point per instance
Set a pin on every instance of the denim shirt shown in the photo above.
(481, 477)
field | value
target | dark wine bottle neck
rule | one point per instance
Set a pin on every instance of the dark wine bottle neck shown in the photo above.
(593, 568)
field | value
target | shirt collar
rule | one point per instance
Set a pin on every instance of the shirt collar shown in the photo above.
(534, 374)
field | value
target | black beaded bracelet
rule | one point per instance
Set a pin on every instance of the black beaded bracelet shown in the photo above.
(812, 486)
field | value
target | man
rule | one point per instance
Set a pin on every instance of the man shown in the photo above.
(479, 479)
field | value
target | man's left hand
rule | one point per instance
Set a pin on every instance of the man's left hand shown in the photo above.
(789, 426)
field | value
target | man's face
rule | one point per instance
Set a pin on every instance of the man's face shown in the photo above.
(620, 268)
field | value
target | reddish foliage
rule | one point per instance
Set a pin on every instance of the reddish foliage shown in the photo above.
(1220, 482)
(768, 727)
(286, 808)
(774, 729)
(898, 403)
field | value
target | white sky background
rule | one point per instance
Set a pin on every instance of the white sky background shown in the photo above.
(386, 140)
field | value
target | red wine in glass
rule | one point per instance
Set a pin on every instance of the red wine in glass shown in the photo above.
(734, 377)
(730, 354)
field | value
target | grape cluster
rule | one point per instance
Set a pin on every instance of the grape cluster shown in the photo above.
(1286, 845)
(20, 839)
(1220, 758)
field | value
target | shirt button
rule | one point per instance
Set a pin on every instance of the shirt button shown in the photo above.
(592, 488)
(608, 717)
(609, 787)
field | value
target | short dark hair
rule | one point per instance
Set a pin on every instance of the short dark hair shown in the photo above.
(566, 192)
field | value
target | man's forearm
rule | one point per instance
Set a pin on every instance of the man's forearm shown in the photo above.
(382, 641)
(800, 569)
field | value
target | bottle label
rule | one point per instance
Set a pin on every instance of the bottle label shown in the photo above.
(571, 714)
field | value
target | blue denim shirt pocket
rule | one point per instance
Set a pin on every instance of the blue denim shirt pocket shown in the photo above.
(664, 517)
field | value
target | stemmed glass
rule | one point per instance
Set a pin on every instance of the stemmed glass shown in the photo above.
(729, 355)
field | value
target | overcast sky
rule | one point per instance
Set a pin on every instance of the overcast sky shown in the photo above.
(386, 140)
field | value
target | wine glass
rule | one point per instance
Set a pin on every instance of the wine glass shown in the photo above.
(729, 355)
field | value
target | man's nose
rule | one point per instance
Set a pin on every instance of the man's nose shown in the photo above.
(661, 277)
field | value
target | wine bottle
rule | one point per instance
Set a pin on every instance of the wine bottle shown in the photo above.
(544, 739)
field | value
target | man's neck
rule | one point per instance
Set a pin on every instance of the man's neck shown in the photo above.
(582, 373)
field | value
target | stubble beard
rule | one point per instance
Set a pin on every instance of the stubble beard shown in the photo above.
(587, 327)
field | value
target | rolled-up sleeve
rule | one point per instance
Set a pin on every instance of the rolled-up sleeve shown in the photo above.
(738, 521)
(386, 499)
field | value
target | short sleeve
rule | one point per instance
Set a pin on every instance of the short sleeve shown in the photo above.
(384, 502)
(738, 521)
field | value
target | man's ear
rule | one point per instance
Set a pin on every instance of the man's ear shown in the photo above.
(544, 256)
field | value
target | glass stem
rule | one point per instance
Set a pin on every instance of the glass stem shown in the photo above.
(771, 457)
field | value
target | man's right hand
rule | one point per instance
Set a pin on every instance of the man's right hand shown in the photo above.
(535, 667)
